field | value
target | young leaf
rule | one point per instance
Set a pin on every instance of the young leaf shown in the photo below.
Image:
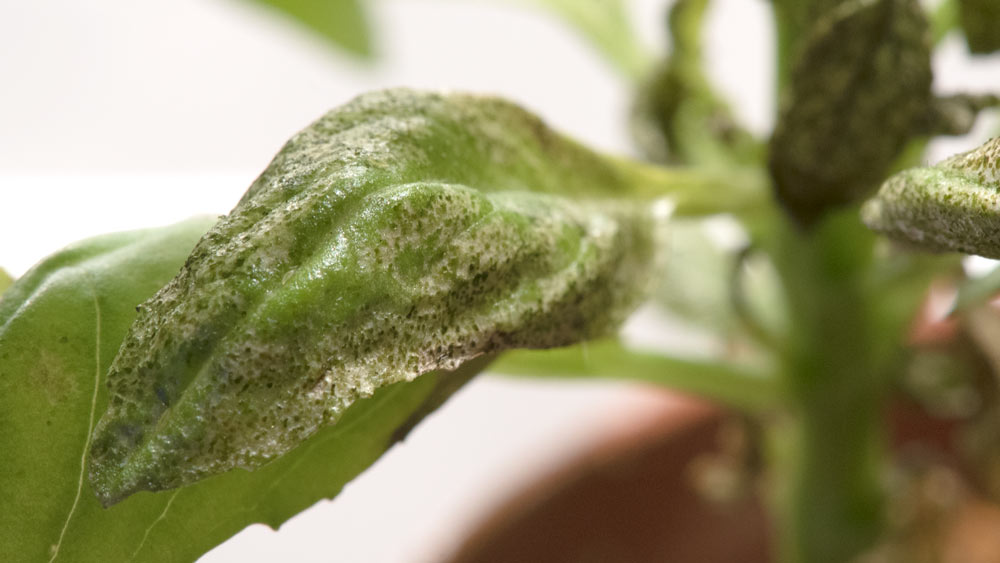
(402, 233)
(953, 206)
(59, 329)
(981, 22)
(341, 22)
(858, 90)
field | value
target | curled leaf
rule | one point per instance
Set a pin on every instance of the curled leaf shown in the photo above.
(402, 233)
(953, 206)
(858, 92)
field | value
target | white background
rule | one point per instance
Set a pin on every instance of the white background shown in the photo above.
(118, 114)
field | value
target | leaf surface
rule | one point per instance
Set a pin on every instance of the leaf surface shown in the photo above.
(953, 206)
(858, 91)
(60, 326)
(343, 23)
(403, 233)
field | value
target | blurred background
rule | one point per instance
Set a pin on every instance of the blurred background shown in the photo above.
(116, 114)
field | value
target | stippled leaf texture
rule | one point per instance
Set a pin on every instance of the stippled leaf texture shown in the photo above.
(859, 89)
(678, 117)
(952, 206)
(980, 21)
(402, 233)
(60, 327)
(343, 23)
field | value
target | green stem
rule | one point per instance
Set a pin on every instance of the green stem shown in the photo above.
(830, 501)
(830, 451)
(736, 386)
(696, 192)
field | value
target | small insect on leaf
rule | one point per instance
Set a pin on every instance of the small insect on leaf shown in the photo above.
(402, 233)
(953, 206)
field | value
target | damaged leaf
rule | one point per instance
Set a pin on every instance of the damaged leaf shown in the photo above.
(60, 327)
(953, 206)
(858, 91)
(402, 233)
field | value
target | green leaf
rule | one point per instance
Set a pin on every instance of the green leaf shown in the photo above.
(402, 233)
(606, 24)
(677, 115)
(60, 326)
(858, 92)
(341, 22)
(5, 281)
(981, 22)
(735, 385)
(952, 206)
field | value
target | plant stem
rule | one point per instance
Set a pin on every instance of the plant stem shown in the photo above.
(830, 451)
(696, 192)
(830, 508)
(733, 385)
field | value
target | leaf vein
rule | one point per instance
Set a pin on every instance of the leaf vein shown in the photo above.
(159, 519)
(90, 425)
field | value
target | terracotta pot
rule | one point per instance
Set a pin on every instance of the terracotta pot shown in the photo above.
(630, 498)
(633, 497)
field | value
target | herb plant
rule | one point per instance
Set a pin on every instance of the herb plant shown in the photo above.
(404, 241)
